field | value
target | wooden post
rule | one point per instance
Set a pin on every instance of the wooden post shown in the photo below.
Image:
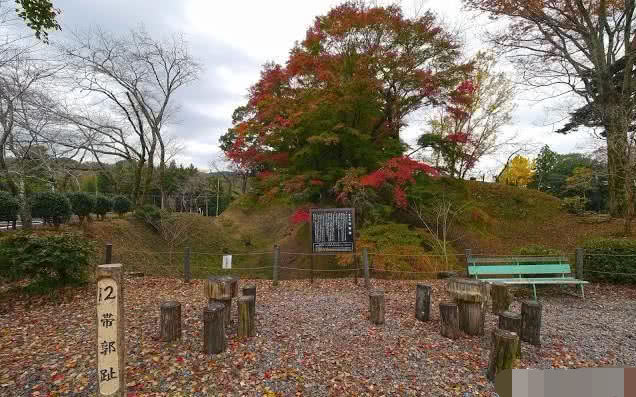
(531, 322)
(226, 301)
(108, 253)
(275, 268)
(250, 290)
(217, 287)
(580, 255)
(423, 302)
(510, 321)
(232, 281)
(501, 298)
(247, 323)
(503, 352)
(187, 275)
(355, 268)
(170, 324)
(111, 359)
(471, 318)
(311, 273)
(468, 253)
(365, 263)
(449, 320)
(376, 306)
(214, 328)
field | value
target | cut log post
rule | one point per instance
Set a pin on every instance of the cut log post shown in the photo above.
(423, 302)
(503, 352)
(510, 321)
(170, 327)
(376, 306)
(471, 317)
(214, 328)
(247, 318)
(449, 320)
(226, 301)
(249, 290)
(531, 322)
(217, 287)
(500, 297)
(233, 281)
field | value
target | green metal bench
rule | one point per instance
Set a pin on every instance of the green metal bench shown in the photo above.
(516, 271)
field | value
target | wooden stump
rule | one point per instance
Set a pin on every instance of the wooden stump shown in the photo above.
(471, 317)
(217, 287)
(214, 328)
(501, 298)
(531, 322)
(233, 282)
(226, 301)
(449, 320)
(247, 317)
(376, 306)
(423, 302)
(503, 352)
(249, 290)
(170, 324)
(510, 321)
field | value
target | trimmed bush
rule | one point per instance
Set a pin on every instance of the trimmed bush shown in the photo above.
(574, 205)
(103, 204)
(9, 207)
(610, 256)
(121, 205)
(54, 208)
(149, 214)
(83, 204)
(63, 258)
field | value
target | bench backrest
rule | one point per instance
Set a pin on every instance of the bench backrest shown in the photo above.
(518, 266)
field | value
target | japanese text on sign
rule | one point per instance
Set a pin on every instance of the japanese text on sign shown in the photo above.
(332, 230)
(107, 317)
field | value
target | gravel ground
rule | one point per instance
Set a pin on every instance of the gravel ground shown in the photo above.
(311, 340)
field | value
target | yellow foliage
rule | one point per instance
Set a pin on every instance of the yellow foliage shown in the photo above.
(518, 172)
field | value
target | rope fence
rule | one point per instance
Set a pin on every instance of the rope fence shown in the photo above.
(267, 264)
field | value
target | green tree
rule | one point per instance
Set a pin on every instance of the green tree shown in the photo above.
(40, 16)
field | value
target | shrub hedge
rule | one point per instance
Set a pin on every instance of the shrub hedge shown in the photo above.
(605, 257)
(82, 204)
(54, 208)
(103, 204)
(64, 258)
(9, 207)
(121, 205)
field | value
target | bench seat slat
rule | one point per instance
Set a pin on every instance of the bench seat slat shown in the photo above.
(517, 259)
(519, 269)
(547, 280)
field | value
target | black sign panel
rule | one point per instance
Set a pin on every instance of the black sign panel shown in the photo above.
(332, 230)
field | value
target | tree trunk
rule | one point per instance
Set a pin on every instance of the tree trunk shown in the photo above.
(449, 320)
(617, 161)
(213, 329)
(531, 322)
(471, 318)
(250, 290)
(170, 321)
(247, 317)
(139, 166)
(376, 307)
(503, 352)
(500, 297)
(510, 321)
(423, 302)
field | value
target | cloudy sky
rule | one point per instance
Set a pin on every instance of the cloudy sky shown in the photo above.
(232, 39)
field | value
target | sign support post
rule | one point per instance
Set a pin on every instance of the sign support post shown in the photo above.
(111, 360)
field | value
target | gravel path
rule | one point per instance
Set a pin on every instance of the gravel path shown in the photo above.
(312, 340)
